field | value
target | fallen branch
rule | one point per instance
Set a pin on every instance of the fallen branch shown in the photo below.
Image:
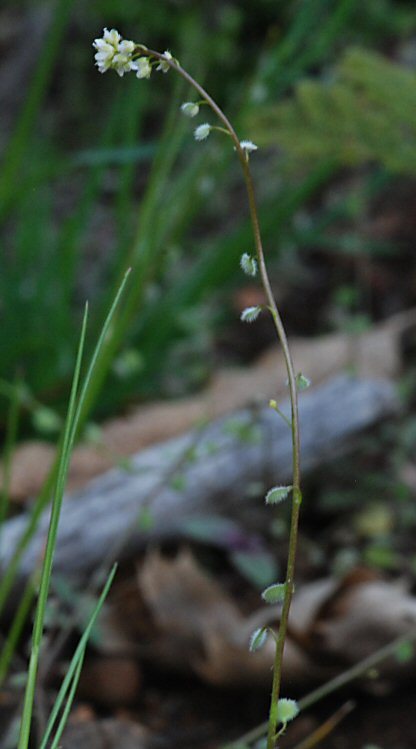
(374, 353)
(218, 467)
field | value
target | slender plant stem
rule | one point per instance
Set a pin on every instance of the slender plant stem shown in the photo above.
(281, 333)
(339, 681)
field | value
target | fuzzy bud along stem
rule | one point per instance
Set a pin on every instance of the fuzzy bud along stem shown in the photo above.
(293, 390)
(243, 148)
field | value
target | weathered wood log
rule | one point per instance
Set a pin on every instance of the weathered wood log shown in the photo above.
(212, 468)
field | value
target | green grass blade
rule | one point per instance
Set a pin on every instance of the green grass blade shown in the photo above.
(77, 657)
(9, 577)
(72, 422)
(50, 549)
(68, 704)
(83, 408)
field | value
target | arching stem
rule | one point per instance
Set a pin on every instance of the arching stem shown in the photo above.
(294, 424)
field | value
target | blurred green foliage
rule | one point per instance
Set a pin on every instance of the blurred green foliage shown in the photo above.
(364, 112)
(100, 174)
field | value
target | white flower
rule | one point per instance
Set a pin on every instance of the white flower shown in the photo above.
(248, 264)
(248, 146)
(142, 67)
(250, 314)
(114, 52)
(190, 108)
(112, 37)
(164, 66)
(202, 131)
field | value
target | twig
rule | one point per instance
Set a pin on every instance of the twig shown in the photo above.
(326, 728)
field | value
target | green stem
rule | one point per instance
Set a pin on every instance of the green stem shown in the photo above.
(281, 333)
(346, 677)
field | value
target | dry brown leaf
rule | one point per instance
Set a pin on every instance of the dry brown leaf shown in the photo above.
(206, 630)
(361, 616)
(375, 353)
(333, 624)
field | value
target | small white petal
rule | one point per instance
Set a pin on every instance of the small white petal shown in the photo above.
(202, 131)
(164, 66)
(102, 46)
(100, 56)
(126, 46)
(142, 67)
(250, 314)
(248, 264)
(248, 146)
(113, 36)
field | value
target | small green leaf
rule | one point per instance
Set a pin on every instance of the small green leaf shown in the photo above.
(277, 494)
(287, 710)
(302, 382)
(274, 593)
(258, 638)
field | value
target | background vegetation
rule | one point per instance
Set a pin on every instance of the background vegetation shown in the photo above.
(99, 175)
(90, 168)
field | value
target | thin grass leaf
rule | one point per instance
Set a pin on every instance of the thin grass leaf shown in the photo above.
(9, 577)
(50, 549)
(76, 658)
(73, 419)
(68, 705)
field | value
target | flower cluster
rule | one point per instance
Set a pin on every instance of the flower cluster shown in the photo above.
(122, 55)
(114, 52)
